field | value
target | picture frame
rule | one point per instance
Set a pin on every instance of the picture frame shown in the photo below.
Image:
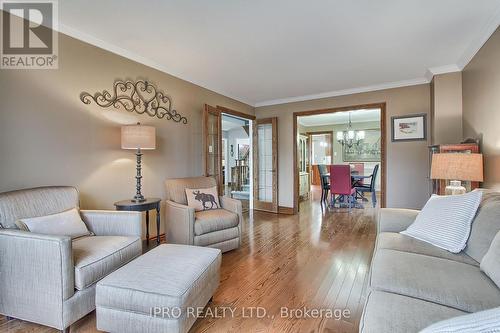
(368, 151)
(411, 127)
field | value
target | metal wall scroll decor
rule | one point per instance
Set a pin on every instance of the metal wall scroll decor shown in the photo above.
(140, 96)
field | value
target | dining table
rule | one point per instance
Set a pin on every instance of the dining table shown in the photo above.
(356, 179)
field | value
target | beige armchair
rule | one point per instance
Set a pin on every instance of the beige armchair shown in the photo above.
(218, 228)
(49, 279)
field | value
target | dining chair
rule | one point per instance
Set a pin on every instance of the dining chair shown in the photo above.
(324, 180)
(341, 184)
(359, 168)
(361, 189)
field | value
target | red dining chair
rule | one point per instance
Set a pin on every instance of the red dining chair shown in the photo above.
(341, 184)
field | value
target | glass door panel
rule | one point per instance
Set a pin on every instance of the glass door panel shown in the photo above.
(266, 165)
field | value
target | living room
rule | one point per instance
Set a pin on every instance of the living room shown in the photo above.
(122, 200)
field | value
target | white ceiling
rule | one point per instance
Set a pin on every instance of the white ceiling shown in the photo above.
(265, 52)
(336, 118)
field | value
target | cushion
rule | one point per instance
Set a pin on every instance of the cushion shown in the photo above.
(97, 256)
(399, 242)
(176, 187)
(491, 261)
(214, 220)
(442, 281)
(203, 198)
(445, 221)
(41, 201)
(412, 314)
(479, 322)
(170, 275)
(68, 223)
(485, 226)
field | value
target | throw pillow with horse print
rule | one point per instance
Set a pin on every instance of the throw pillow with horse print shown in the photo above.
(203, 198)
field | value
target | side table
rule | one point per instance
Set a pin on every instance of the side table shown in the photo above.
(145, 206)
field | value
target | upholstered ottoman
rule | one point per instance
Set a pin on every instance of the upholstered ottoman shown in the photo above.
(161, 291)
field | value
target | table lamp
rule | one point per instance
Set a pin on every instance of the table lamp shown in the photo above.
(140, 138)
(457, 167)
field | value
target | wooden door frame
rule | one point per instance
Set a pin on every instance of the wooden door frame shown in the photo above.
(239, 114)
(383, 133)
(310, 134)
(274, 206)
(211, 109)
(220, 110)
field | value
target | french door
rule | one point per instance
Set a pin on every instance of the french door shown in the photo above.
(265, 164)
(212, 129)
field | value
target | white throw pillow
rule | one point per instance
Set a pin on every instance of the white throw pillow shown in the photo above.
(203, 198)
(67, 223)
(445, 221)
(487, 321)
(490, 264)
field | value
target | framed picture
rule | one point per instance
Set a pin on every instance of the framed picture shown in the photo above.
(368, 150)
(243, 151)
(409, 128)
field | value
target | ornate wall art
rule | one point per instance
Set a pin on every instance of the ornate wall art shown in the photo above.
(368, 150)
(140, 96)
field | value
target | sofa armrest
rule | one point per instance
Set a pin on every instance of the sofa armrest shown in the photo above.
(113, 223)
(179, 223)
(395, 219)
(36, 275)
(232, 205)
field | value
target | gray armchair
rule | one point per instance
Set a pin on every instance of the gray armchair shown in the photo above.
(218, 228)
(51, 280)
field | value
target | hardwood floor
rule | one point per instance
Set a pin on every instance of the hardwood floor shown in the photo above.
(317, 259)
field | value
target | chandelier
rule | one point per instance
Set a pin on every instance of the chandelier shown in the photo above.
(350, 137)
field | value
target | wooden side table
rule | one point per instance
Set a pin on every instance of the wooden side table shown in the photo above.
(145, 206)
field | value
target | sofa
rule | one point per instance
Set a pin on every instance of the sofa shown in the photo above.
(51, 280)
(413, 284)
(217, 228)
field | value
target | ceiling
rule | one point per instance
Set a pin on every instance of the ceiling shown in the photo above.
(336, 118)
(266, 52)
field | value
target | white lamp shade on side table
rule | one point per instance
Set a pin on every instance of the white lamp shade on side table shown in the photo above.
(138, 137)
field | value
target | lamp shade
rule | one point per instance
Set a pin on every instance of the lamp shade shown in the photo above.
(457, 166)
(340, 136)
(138, 137)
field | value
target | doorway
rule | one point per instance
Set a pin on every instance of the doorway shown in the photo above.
(236, 159)
(353, 135)
(241, 153)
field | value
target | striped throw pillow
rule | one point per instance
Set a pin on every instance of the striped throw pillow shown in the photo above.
(445, 221)
(487, 321)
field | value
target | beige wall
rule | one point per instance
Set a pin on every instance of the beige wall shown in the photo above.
(446, 108)
(481, 106)
(407, 162)
(49, 137)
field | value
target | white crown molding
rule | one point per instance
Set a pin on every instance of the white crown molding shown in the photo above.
(441, 70)
(89, 39)
(488, 29)
(343, 92)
